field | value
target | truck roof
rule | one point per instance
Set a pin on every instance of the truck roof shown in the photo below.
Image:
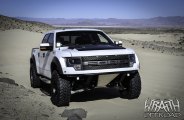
(64, 30)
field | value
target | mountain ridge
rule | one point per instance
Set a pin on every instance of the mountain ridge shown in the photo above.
(8, 23)
(171, 21)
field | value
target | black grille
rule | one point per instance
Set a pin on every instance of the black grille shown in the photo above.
(108, 57)
(122, 61)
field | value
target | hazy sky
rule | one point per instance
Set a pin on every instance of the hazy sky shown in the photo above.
(127, 9)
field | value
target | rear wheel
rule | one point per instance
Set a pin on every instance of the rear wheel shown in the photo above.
(61, 90)
(130, 87)
(34, 78)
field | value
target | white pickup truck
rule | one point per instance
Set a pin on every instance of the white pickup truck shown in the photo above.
(72, 59)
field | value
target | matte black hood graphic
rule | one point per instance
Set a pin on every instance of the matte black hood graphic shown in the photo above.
(95, 47)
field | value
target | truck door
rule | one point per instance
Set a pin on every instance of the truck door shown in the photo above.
(46, 56)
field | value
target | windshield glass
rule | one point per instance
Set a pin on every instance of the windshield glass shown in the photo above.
(70, 38)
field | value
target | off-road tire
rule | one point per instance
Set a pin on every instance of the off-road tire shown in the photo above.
(34, 78)
(132, 85)
(62, 93)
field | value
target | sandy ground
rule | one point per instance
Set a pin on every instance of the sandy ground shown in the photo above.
(161, 73)
(169, 43)
(167, 37)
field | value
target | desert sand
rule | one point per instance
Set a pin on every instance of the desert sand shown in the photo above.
(161, 73)
(170, 43)
(166, 37)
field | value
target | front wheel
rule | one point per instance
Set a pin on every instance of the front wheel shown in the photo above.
(131, 86)
(61, 90)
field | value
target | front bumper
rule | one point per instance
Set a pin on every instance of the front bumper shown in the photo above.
(72, 71)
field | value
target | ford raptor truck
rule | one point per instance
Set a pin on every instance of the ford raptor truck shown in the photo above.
(73, 59)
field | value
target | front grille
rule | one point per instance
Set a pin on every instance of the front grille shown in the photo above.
(105, 62)
(105, 57)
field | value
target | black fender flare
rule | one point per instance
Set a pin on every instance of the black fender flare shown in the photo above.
(55, 65)
(32, 60)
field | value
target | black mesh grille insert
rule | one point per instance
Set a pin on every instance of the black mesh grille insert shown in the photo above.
(105, 62)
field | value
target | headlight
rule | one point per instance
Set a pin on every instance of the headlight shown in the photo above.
(132, 59)
(74, 62)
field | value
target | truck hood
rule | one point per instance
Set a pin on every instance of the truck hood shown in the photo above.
(93, 50)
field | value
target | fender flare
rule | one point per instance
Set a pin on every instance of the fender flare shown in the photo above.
(55, 65)
(32, 60)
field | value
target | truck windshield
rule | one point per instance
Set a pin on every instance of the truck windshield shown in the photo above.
(70, 38)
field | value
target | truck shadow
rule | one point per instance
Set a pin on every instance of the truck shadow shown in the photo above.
(45, 88)
(96, 94)
(89, 95)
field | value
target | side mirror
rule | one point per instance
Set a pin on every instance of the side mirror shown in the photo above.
(45, 47)
(118, 43)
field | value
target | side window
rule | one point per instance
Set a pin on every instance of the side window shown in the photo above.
(45, 38)
(51, 39)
